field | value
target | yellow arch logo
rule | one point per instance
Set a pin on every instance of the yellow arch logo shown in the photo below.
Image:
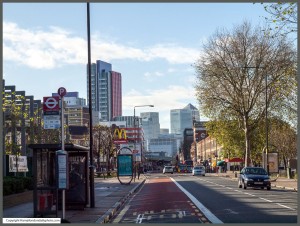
(120, 134)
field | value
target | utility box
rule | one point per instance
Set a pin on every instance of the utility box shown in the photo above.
(47, 197)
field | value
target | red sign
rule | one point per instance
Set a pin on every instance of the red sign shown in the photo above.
(62, 91)
(51, 104)
(120, 141)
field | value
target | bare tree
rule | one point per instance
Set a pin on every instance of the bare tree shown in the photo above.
(232, 72)
(103, 137)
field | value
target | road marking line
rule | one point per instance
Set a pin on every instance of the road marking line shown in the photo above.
(249, 194)
(265, 199)
(121, 214)
(140, 218)
(284, 206)
(211, 217)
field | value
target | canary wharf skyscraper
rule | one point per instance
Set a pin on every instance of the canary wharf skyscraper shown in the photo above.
(106, 90)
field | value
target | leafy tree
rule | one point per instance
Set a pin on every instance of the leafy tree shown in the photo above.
(232, 72)
(284, 138)
(283, 16)
(228, 135)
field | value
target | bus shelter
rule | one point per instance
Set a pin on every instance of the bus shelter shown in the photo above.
(47, 198)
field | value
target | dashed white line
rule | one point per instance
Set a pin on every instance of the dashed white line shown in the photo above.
(285, 206)
(249, 194)
(266, 199)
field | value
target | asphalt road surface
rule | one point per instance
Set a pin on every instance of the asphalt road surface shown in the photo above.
(183, 198)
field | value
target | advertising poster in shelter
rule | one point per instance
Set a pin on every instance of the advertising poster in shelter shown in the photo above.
(273, 162)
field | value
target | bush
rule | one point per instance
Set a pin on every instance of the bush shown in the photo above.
(28, 183)
(13, 185)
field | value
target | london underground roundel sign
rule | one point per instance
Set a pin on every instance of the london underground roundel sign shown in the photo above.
(51, 104)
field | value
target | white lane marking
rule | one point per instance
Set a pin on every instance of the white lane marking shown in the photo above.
(284, 206)
(265, 199)
(213, 219)
(121, 214)
(231, 211)
(252, 195)
(249, 194)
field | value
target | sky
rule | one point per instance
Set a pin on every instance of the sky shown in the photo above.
(153, 45)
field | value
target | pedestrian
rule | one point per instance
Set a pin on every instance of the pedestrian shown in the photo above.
(140, 170)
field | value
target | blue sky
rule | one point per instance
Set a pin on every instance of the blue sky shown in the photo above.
(153, 46)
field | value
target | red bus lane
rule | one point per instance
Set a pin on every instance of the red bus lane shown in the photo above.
(160, 201)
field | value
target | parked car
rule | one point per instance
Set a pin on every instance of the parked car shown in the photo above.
(168, 169)
(198, 170)
(254, 177)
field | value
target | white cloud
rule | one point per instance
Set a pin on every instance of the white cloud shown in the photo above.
(171, 97)
(152, 76)
(39, 48)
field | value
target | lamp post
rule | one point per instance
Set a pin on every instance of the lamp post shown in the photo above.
(91, 166)
(267, 142)
(134, 125)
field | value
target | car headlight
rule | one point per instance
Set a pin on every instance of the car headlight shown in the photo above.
(248, 179)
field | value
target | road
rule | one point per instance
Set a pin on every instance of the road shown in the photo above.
(182, 198)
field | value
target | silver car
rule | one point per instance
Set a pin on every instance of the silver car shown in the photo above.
(168, 169)
(198, 170)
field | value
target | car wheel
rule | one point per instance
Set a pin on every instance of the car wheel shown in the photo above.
(269, 188)
(262, 188)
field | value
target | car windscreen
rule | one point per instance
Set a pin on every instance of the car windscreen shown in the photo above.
(258, 171)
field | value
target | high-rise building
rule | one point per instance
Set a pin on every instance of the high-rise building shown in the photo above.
(180, 119)
(194, 110)
(106, 90)
(150, 124)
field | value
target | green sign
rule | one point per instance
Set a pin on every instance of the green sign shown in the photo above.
(125, 165)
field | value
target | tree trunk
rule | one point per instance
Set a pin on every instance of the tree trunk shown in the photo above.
(247, 142)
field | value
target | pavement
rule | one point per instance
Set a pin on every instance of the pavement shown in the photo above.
(110, 195)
